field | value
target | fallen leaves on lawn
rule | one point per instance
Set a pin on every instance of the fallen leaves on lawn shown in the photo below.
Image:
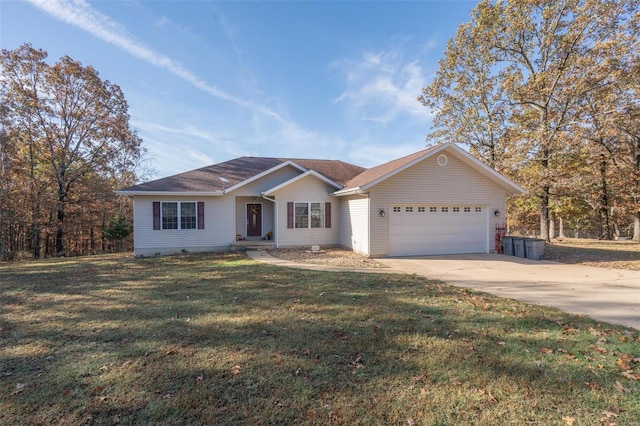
(455, 381)
(620, 388)
(626, 362)
(607, 415)
(630, 375)
(19, 388)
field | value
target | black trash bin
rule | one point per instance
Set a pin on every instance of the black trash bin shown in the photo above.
(534, 248)
(519, 249)
(507, 245)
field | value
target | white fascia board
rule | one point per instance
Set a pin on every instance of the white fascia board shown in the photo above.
(301, 176)
(349, 191)
(265, 173)
(172, 193)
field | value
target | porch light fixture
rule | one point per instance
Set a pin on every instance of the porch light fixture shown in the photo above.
(496, 213)
(381, 213)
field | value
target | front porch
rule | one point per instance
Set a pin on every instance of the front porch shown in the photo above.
(254, 217)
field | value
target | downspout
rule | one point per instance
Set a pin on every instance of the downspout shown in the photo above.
(275, 218)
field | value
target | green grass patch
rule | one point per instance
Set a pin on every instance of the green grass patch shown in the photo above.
(219, 339)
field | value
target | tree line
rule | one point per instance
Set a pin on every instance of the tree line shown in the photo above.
(547, 93)
(65, 145)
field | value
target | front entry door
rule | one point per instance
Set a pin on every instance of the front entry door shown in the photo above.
(254, 220)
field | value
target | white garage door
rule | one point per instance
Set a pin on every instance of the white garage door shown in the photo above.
(422, 229)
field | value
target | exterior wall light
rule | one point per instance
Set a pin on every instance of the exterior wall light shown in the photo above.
(496, 213)
(381, 213)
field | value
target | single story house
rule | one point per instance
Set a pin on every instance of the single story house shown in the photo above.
(440, 200)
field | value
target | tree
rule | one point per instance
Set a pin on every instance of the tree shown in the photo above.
(529, 66)
(72, 123)
(469, 99)
(117, 230)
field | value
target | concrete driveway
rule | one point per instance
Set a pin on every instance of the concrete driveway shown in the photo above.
(610, 295)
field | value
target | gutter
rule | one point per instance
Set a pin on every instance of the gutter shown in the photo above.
(275, 218)
(354, 191)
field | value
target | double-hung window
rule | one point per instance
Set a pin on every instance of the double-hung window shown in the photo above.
(188, 216)
(309, 215)
(169, 215)
(302, 215)
(179, 215)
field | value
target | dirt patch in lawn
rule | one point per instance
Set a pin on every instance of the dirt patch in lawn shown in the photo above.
(334, 256)
(602, 254)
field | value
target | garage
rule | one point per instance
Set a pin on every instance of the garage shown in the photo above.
(422, 229)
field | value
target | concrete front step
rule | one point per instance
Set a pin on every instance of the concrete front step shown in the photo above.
(253, 245)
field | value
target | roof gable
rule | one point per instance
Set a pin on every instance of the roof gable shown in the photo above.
(375, 175)
(301, 176)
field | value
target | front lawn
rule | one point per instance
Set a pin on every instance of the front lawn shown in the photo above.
(219, 339)
(621, 254)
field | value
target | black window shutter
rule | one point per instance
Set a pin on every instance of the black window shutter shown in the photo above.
(200, 214)
(327, 215)
(289, 215)
(156, 215)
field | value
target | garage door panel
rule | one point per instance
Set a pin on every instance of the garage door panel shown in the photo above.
(425, 232)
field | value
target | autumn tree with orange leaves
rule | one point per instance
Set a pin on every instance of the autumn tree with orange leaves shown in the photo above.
(546, 92)
(66, 144)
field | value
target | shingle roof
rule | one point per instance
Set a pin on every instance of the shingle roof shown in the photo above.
(207, 179)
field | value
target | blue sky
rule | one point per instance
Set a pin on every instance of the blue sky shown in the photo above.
(210, 81)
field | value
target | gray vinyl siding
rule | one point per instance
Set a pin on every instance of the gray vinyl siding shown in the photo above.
(307, 189)
(354, 223)
(217, 234)
(267, 182)
(427, 182)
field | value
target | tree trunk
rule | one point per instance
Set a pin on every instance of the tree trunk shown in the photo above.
(636, 227)
(35, 227)
(605, 224)
(60, 223)
(60, 233)
(560, 228)
(544, 214)
(552, 226)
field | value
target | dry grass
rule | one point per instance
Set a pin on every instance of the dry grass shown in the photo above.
(603, 254)
(211, 339)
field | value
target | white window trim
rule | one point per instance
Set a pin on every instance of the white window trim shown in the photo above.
(308, 203)
(179, 228)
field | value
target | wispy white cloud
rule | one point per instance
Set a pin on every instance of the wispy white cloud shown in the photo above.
(229, 31)
(383, 86)
(163, 21)
(180, 148)
(82, 15)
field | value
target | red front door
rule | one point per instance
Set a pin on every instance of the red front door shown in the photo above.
(254, 220)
